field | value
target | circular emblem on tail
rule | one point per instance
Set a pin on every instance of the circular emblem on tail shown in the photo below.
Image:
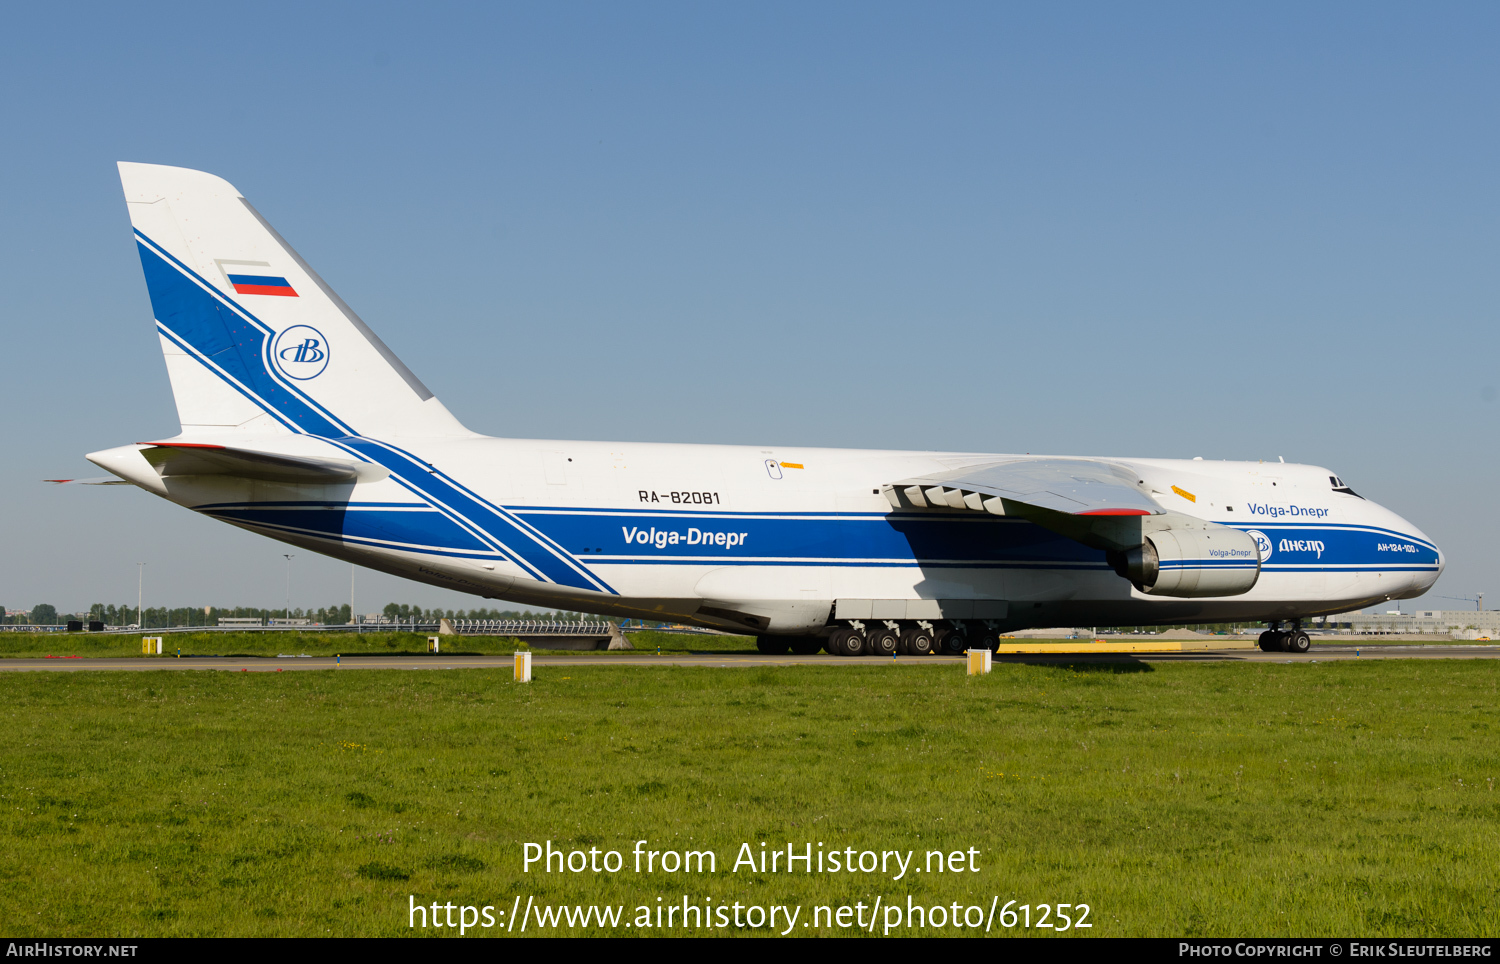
(300, 352)
(1261, 542)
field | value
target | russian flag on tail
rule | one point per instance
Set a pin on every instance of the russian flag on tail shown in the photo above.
(261, 284)
(255, 278)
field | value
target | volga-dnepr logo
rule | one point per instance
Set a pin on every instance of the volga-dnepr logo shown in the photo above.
(1261, 541)
(300, 352)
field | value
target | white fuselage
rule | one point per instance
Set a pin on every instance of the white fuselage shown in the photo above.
(773, 538)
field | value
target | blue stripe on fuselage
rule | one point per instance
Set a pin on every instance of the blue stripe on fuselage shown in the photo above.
(907, 538)
(1334, 546)
(856, 538)
(428, 528)
(835, 539)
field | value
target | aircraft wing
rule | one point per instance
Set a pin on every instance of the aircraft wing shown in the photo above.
(1074, 486)
(1098, 503)
(98, 480)
(196, 458)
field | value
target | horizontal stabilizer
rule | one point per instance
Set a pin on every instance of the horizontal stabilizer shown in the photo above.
(100, 480)
(190, 458)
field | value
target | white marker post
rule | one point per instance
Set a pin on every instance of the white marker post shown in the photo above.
(432, 644)
(523, 667)
(979, 661)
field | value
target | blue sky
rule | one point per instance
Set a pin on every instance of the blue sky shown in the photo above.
(1157, 230)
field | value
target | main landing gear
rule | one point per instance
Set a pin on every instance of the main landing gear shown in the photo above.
(1285, 640)
(891, 637)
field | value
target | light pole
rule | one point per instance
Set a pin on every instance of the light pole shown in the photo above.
(140, 581)
(288, 556)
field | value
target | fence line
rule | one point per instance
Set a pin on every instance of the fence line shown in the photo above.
(465, 627)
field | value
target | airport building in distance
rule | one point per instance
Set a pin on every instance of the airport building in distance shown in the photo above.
(1460, 623)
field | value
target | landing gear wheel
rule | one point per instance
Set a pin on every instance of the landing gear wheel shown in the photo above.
(1297, 642)
(916, 642)
(806, 645)
(985, 639)
(955, 643)
(846, 642)
(772, 645)
(1270, 641)
(880, 642)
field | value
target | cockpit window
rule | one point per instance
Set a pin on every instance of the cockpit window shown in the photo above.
(1339, 486)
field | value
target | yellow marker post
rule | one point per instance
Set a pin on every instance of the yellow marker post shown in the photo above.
(523, 667)
(432, 644)
(150, 645)
(979, 661)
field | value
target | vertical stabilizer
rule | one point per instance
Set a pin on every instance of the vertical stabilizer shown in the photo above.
(254, 339)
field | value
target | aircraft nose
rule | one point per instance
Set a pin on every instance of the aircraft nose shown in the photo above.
(1423, 579)
(1412, 559)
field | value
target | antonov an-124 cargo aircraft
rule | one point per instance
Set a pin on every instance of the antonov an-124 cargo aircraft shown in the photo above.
(300, 424)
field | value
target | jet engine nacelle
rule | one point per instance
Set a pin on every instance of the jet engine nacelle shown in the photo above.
(1213, 560)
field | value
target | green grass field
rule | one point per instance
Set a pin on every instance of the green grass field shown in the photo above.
(1175, 799)
(324, 644)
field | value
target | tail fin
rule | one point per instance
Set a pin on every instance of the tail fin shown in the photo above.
(254, 339)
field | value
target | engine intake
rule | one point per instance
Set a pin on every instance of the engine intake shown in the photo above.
(1213, 561)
